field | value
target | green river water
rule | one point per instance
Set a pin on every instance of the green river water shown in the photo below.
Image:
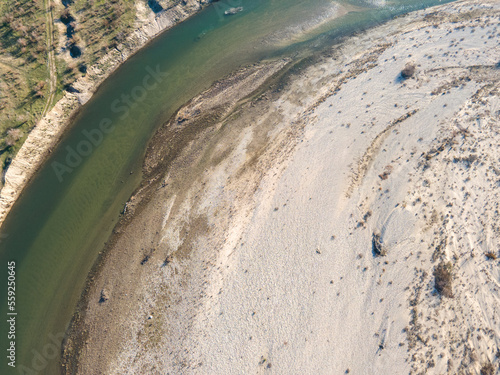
(63, 218)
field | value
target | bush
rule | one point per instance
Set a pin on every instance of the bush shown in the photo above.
(408, 71)
(491, 255)
(443, 279)
(13, 135)
(377, 246)
(488, 369)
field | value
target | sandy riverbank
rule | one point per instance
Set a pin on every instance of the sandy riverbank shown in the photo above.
(47, 133)
(248, 248)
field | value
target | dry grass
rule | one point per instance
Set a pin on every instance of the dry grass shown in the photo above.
(443, 278)
(488, 369)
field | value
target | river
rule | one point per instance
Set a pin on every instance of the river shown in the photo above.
(61, 221)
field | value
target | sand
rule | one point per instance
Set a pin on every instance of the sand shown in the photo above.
(249, 247)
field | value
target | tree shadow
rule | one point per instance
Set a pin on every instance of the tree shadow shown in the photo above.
(155, 6)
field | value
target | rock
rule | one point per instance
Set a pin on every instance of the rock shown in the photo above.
(104, 296)
(232, 11)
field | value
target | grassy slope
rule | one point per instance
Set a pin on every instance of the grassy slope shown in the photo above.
(23, 71)
(24, 74)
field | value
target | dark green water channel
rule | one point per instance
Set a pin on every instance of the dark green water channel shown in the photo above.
(63, 218)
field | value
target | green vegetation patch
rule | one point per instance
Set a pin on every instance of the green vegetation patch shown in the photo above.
(23, 71)
(92, 28)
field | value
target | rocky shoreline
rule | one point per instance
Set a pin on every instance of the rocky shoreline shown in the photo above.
(47, 133)
(249, 247)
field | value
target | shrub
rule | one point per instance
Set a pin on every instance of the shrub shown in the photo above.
(408, 71)
(488, 369)
(22, 42)
(491, 255)
(443, 278)
(377, 246)
(13, 135)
